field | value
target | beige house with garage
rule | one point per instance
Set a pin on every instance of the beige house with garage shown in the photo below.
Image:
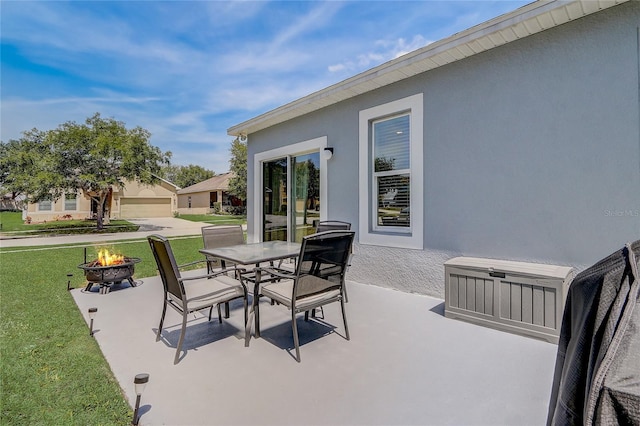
(208, 196)
(135, 200)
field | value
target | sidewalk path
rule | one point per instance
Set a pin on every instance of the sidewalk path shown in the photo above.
(166, 226)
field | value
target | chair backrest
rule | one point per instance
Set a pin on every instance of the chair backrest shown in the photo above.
(319, 252)
(167, 266)
(222, 235)
(214, 236)
(333, 225)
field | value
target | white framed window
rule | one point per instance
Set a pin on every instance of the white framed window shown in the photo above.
(44, 206)
(391, 174)
(71, 201)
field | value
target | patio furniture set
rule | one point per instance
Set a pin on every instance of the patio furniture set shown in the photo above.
(234, 268)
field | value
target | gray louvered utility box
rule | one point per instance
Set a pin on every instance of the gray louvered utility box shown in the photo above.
(518, 297)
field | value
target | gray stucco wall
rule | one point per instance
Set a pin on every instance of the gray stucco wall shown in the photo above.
(531, 152)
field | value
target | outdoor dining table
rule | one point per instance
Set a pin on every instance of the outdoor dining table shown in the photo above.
(255, 254)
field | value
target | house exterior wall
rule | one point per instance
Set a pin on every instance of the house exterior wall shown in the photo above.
(531, 153)
(153, 201)
(82, 211)
(199, 202)
(158, 200)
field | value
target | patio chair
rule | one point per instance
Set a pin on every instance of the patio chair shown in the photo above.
(222, 236)
(193, 293)
(334, 225)
(306, 289)
(214, 236)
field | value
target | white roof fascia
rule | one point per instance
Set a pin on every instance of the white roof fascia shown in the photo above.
(522, 22)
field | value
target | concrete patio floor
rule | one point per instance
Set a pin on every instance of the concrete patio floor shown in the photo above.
(406, 364)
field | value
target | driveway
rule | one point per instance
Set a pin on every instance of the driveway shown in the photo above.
(167, 226)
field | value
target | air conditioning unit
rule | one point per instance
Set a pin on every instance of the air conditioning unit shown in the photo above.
(518, 297)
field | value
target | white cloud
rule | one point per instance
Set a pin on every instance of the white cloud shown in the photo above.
(187, 71)
(382, 51)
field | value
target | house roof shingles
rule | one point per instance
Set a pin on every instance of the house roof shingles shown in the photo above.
(216, 183)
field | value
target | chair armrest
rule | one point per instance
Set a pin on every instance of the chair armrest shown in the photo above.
(210, 275)
(191, 263)
(276, 272)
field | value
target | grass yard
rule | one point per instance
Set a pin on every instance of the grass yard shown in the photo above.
(51, 371)
(215, 219)
(11, 222)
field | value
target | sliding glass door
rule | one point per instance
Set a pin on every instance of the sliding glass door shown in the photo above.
(295, 178)
(274, 198)
(305, 191)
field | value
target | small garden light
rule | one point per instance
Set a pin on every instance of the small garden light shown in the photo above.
(139, 382)
(92, 315)
(69, 276)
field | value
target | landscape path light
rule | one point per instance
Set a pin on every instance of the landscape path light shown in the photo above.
(139, 382)
(92, 315)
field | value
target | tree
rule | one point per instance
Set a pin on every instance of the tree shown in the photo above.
(184, 176)
(238, 165)
(22, 161)
(94, 157)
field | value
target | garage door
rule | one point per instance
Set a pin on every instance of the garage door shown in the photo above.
(131, 208)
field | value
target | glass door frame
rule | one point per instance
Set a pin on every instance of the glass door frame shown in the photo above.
(288, 151)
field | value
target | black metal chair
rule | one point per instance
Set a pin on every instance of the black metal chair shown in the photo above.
(335, 225)
(214, 236)
(193, 293)
(332, 225)
(306, 288)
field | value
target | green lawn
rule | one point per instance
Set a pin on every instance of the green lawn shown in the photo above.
(215, 219)
(12, 222)
(51, 371)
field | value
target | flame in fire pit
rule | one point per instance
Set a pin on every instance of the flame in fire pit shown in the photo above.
(107, 259)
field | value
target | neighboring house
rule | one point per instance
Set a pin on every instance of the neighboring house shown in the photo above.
(7, 202)
(135, 200)
(208, 196)
(516, 139)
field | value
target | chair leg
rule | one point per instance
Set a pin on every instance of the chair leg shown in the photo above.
(344, 292)
(164, 311)
(226, 309)
(246, 311)
(219, 314)
(294, 326)
(344, 318)
(181, 339)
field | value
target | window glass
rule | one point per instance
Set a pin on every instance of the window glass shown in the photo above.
(391, 150)
(70, 201)
(306, 193)
(44, 205)
(391, 143)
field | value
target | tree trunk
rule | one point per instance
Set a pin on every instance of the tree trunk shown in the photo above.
(100, 213)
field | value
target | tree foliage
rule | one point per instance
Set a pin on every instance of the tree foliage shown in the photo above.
(238, 165)
(184, 176)
(94, 157)
(23, 162)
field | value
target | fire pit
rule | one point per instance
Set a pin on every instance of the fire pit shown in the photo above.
(109, 269)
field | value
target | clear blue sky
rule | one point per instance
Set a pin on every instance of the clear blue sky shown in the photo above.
(187, 71)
